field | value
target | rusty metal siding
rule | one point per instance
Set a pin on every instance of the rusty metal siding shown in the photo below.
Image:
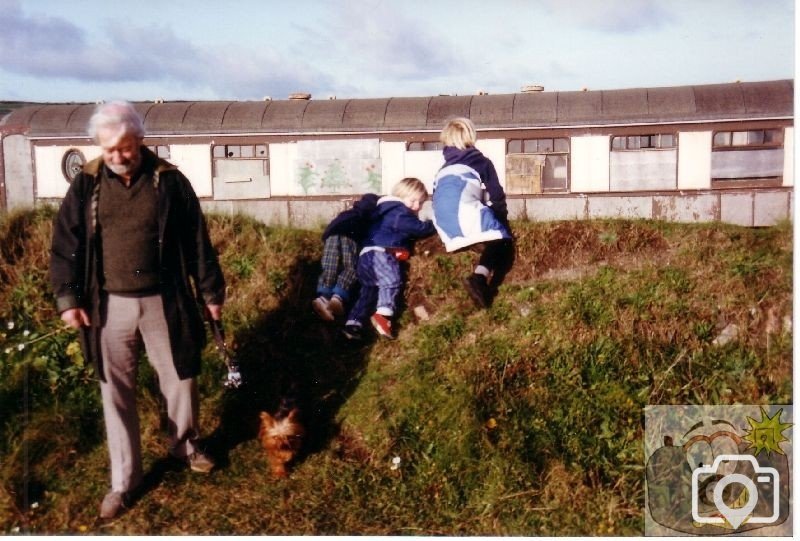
(579, 107)
(284, 116)
(690, 104)
(51, 119)
(166, 118)
(368, 114)
(769, 97)
(244, 116)
(205, 116)
(535, 109)
(79, 119)
(489, 111)
(143, 109)
(406, 113)
(630, 104)
(442, 108)
(670, 104)
(715, 100)
(324, 115)
(19, 120)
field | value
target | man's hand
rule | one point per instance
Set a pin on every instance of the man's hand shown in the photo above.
(76, 318)
(215, 311)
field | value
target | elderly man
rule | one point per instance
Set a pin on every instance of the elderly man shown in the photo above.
(131, 258)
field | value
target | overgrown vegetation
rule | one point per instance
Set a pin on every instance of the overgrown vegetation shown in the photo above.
(523, 419)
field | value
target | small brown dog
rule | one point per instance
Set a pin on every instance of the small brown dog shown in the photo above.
(281, 437)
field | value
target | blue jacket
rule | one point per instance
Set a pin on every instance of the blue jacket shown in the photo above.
(394, 225)
(469, 204)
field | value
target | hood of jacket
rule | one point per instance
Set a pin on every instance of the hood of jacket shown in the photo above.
(469, 156)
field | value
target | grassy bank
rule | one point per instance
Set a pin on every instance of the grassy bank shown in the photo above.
(523, 419)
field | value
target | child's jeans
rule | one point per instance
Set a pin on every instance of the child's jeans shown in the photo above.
(339, 260)
(381, 282)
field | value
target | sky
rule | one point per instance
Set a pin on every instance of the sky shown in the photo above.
(138, 50)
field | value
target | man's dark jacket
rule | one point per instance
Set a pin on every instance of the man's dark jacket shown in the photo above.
(189, 270)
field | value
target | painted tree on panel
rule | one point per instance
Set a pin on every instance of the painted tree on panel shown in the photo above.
(374, 180)
(334, 178)
(307, 176)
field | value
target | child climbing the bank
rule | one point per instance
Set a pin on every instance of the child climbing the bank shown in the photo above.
(395, 226)
(342, 242)
(469, 207)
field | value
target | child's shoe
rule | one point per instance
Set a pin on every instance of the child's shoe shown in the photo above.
(352, 332)
(321, 306)
(383, 325)
(336, 306)
(478, 290)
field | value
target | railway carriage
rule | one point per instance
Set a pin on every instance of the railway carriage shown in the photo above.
(720, 152)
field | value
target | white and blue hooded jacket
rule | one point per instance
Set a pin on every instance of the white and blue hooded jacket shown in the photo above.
(469, 204)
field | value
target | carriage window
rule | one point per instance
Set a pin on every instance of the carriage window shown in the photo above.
(72, 163)
(644, 142)
(239, 151)
(749, 138)
(747, 158)
(722, 139)
(162, 151)
(240, 163)
(424, 145)
(561, 144)
(537, 165)
(643, 161)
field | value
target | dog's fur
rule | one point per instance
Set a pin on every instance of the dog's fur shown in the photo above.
(281, 436)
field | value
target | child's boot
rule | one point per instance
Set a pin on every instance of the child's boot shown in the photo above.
(321, 306)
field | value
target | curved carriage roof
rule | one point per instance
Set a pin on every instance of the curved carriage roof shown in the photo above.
(728, 101)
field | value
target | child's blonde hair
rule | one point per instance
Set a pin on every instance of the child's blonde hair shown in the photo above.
(459, 132)
(410, 186)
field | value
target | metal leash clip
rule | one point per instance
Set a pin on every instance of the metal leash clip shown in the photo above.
(234, 377)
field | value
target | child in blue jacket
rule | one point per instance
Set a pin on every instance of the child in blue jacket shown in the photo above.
(469, 208)
(342, 241)
(395, 225)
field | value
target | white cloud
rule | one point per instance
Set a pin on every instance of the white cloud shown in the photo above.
(372, 42)
(618, 16)
(49, 50)
(53, 48)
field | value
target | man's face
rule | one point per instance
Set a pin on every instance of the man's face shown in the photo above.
(120, 152)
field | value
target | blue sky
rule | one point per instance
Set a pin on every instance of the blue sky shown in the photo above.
(89, 50)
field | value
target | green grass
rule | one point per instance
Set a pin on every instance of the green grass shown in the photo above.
(524, 419)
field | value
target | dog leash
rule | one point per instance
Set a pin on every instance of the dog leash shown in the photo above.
(234, 378)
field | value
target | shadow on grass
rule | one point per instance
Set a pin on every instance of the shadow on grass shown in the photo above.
(290, 354)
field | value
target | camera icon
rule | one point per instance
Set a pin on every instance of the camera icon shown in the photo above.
(742, 491)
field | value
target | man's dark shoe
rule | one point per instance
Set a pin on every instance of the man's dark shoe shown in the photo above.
(197, 461)
(478, 290)
(200, 462)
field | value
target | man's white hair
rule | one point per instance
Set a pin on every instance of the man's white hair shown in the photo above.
(116, 114)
